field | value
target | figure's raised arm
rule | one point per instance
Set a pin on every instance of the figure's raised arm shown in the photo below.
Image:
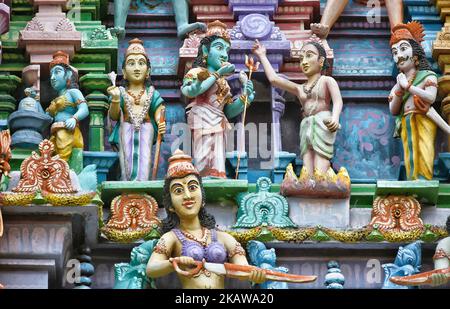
(395, 99)
(114, 107)
(272, 76)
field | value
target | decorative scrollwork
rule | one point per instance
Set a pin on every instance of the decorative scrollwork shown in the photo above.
(65, 24)
(45, 173)
(132, 217)
(396, 213)
(34, 25)
(263, 207)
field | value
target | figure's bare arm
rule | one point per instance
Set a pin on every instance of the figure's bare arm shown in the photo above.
(114, 107)
(395, 100)
(159, 264)
(336, 98)
(274, 79)
(428, 95)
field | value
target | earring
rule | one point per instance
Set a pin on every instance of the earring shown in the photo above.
(204, 59)
(416, 60)
(68, 83)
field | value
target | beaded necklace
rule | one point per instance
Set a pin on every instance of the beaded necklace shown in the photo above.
(203, 240)
(137, 120)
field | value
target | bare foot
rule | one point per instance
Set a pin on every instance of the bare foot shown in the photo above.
(183, 30)
(320, 30)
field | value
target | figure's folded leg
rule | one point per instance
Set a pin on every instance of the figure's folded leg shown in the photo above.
(181, 10)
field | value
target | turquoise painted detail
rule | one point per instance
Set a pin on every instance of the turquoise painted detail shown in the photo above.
(88, 178)
(334, 279)
(263, 207)
(132, 275)
(407, 262)
(265, 258)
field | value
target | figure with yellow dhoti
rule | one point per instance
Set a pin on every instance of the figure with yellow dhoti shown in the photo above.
(211, 102)
(67, 110)
(411, 98)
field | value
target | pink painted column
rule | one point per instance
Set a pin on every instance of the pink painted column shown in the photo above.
(4, 21)
(48, 32)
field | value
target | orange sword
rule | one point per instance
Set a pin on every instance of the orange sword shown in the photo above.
(240, 271)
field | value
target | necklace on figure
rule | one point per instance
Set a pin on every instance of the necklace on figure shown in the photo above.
(203, 240)
(309, 90)
(137, 119)
(137, 98)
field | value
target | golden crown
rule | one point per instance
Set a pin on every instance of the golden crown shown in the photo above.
(218, 28)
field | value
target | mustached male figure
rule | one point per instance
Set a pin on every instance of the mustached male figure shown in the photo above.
(411, 98)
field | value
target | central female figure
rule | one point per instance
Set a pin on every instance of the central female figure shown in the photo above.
(189, 231)
(211, 102)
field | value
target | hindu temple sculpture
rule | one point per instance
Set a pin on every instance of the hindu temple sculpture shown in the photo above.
(265, 258)
(407, 262)
(411, 99)
(29, 123)
(441, 273)
(334, 9)
(442, 260)
(211, 102)
(190, 238)
(137, 112)
(5, 168)
(67, 110)
(334, 279)
(320, 118)
(180, 8)
(133, 275)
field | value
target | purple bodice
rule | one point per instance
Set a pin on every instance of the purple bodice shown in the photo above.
(215, 252)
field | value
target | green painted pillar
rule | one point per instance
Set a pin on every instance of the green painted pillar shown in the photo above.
(95, 85)
(8, 84)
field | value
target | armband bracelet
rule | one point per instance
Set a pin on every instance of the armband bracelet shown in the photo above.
(216, 75)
